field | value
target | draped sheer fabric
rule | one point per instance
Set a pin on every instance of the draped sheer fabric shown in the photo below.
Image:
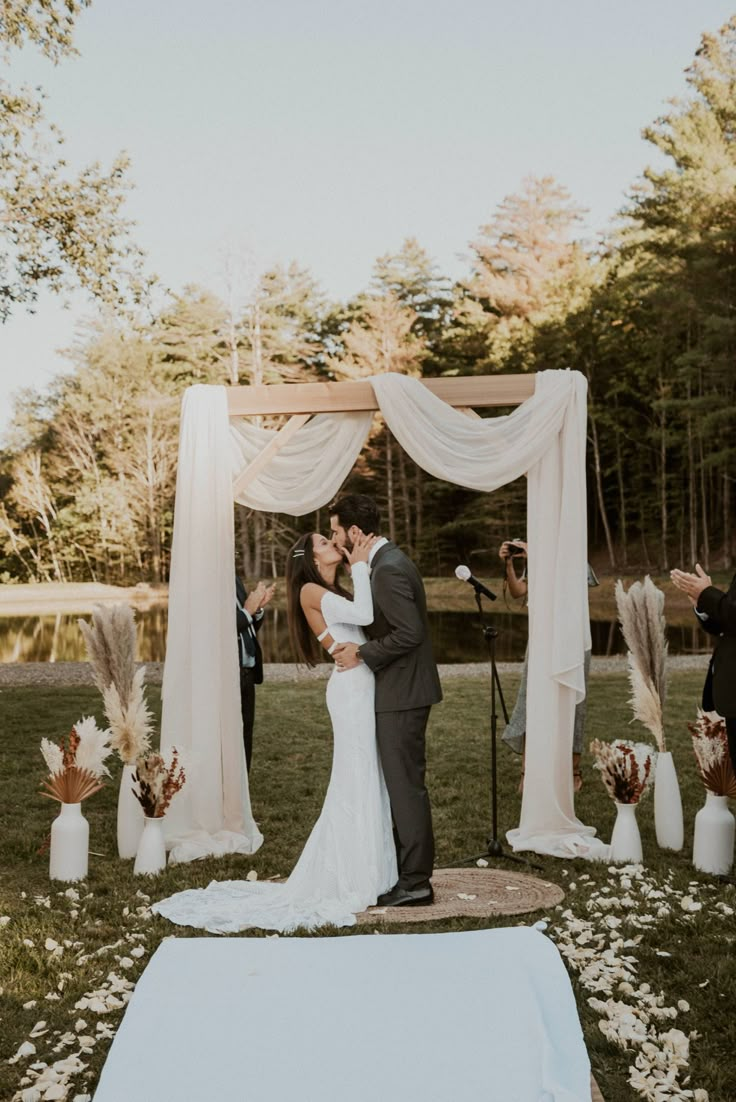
(544, 438)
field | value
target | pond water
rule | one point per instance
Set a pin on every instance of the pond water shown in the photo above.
(455, 635)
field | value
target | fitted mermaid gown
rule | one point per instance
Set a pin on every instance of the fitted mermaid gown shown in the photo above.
(350, 856)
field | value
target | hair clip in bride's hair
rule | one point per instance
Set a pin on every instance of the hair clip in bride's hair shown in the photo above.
(298, 554)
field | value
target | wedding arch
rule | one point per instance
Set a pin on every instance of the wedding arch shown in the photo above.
(300, 467)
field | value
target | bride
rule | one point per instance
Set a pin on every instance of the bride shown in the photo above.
(350, 857)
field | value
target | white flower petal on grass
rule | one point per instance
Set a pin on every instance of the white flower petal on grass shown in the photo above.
(30, 1004)
(25, 1050)
(139, 951)
(50, 944)
(689, 904)
(483, 864)
(252, 875)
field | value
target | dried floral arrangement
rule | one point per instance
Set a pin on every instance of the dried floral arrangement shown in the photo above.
(110, 640)
(156, 782)
(76, 764)
(710, 746)
(641, 615)
(626, 768)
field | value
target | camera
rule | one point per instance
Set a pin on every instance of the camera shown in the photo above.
(515, 548)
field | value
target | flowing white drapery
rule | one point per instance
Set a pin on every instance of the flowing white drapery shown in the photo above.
(543, 438)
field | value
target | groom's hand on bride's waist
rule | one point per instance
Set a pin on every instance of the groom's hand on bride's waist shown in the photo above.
(346, 656)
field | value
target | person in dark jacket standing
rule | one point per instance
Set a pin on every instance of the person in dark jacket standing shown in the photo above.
(249, 617)
(716, 611)
(399, 653)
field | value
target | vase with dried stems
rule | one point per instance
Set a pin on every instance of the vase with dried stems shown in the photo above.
(157, 779)
(626, 771)
(641, 615)
(111, 643)
(76, 766)
(715, 827)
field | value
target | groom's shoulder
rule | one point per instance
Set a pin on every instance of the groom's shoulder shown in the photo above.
(392, 556)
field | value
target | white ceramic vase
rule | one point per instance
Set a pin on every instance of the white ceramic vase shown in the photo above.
(714, 836)
(626, 840)
(668, 822)
(69, 851)
(151, 855)
(130, 816)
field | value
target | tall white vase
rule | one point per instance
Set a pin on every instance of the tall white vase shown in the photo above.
(151, 855)
(69, 854)
(714, 836)
(668, 821)
(130, 815)
(626, 840)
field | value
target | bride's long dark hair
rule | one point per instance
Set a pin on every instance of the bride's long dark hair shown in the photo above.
(301, 569)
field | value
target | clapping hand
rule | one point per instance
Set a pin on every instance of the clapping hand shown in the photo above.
(692, 585)
(259, 597)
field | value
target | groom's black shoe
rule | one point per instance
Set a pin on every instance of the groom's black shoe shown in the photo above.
(406, 897)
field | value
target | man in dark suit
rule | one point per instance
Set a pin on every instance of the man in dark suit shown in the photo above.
(249, 617)
(399, 652)
(716, 611)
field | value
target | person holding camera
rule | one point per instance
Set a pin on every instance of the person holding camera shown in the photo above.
(515, 733)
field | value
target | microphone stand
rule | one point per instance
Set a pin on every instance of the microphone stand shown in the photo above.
(495, 847)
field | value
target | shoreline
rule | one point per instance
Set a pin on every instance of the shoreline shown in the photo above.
(19, 674)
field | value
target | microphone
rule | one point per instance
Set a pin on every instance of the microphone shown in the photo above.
(463, 573)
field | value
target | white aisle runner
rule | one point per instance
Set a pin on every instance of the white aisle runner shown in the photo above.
(487, 1015)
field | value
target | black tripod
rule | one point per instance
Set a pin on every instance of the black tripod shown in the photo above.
(495, 848)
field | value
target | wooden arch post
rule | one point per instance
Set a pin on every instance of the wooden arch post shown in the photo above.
(299, 401)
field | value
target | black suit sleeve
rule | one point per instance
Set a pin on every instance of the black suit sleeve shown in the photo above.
(394, 595)
(720, 608)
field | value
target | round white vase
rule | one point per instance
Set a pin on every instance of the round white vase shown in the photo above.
(151, 855)
(715, 828)
(668, 822)
(130, 815)
(69, 851)
(626, 840)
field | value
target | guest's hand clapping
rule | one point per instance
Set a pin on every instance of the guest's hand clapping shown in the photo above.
(692, 585)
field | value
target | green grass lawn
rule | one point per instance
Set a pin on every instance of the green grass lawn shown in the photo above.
(103, 930)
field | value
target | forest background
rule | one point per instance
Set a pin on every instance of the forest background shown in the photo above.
(646, 312)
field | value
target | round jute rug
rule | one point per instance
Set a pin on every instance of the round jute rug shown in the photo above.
(474, 893)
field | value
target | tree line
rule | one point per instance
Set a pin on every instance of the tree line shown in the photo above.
(647, 312)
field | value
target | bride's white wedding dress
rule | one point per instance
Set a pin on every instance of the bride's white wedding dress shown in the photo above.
(350, 857)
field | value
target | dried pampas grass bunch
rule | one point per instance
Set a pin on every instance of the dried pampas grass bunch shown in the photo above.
(710, 746)
(129, 719)
(625, 768)
(76, 764)
(111, 640)
(641, 615)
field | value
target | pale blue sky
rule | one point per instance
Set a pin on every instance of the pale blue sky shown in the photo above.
(328, 132)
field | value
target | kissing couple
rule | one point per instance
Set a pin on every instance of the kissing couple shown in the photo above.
(373, 841)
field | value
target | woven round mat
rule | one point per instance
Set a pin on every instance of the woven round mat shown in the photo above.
(474, 893)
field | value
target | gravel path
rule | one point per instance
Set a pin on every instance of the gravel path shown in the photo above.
(80, 673)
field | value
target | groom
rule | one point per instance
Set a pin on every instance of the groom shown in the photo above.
(399, 653)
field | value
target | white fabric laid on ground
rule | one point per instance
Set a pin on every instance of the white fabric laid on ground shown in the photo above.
(201, 693)
(483, 1015)
(543, 438)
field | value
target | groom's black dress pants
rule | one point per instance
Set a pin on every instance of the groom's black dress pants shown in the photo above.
(401, 745)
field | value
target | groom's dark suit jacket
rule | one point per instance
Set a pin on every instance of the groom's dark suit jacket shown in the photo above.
(399, 650)
(719, 692)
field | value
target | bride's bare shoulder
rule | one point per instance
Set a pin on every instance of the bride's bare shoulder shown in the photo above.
(311, 595)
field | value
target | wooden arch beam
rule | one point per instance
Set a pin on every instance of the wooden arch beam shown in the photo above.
(469, 391)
